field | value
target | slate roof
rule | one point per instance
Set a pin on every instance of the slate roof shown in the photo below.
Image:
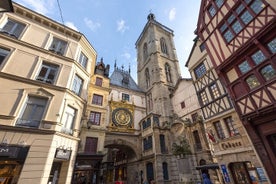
(123, 79)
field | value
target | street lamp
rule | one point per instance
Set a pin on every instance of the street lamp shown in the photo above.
(6, 6)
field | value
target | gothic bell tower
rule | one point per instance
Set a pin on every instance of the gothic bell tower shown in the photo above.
(158, 67)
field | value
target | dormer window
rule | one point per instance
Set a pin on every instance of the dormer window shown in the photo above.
(13, 28)
(58, 46)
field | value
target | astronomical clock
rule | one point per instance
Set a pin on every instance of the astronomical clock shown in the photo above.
(121, 117)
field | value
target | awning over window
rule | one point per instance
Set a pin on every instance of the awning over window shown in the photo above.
(208, 166)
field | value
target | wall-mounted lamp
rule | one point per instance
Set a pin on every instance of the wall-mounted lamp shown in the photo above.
(6, 6)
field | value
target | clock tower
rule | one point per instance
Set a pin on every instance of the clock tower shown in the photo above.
(158, 73)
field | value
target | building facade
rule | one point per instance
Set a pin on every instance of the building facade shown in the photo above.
(240, 39)
(44, 81)
(189, 125)
(229, 142)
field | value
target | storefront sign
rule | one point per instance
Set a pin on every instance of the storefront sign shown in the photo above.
(9, 151)
(225, 174)
(63, 154)
(261, 174)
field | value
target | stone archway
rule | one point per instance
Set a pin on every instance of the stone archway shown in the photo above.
(125, 150)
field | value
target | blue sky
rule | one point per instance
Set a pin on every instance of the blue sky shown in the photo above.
(113, 26)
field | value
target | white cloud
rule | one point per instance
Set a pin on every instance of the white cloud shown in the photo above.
(71, 25)
(121, 27)
(172, 14)
(93, 26)
(126, 55)
(41, 6)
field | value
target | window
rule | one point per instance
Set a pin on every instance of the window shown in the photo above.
(182, 105)
(147, 143)
(163, 46)
(239, 18)
(150, 103)
(147, 77)
(145, 51)
(213, 8)
(162, 143)
(3, 54)
(58, 46)
(97, 99)
(230, 126)
(252, 81)
(95, 118)
(68, 120)
(77, 85)
(33, 112)
(165, 171)
(13, 28)
(168, 72)
(200, 70)
(83, 60)
(214, 91)
(47, 73)
(258, 57)
(202, 47)
(194, 117)
(146, 123)
(99, 81)
(268, 72)
(272, 46)
(150, 171)
(219, 130)
(244, 67)
(125, 97)
(203, 97)
(91, 144)
(198, 145)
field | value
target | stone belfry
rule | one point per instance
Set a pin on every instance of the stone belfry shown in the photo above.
(158, 67)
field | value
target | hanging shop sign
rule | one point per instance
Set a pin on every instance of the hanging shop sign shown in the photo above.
(63, 154)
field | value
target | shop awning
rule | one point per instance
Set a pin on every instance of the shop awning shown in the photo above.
(208, 166)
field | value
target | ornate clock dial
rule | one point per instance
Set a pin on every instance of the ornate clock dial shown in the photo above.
(121, 116)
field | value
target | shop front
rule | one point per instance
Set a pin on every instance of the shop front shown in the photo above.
(246, 173)
(61, 156)
(87, 169)
(12, 158)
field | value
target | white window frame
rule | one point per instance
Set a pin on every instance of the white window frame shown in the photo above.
(50, 68)
(33, 116)
(15, 29)
(68, 120)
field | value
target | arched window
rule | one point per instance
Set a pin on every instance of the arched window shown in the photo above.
(163, 46)
(147, 77)
(168, 72)
(165, 171)
(145, 51)
(150, 172)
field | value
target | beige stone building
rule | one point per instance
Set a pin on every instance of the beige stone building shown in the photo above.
(229, 143)
(45, 68)
(189, 125)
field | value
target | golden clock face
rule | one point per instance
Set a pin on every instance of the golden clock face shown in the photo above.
(121, 116)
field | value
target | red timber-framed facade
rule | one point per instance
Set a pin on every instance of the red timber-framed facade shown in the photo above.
(240, 38)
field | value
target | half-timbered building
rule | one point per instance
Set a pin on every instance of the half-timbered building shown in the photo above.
(240, 38)
(229, 142)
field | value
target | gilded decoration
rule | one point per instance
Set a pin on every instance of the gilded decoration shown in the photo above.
(121, 117)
